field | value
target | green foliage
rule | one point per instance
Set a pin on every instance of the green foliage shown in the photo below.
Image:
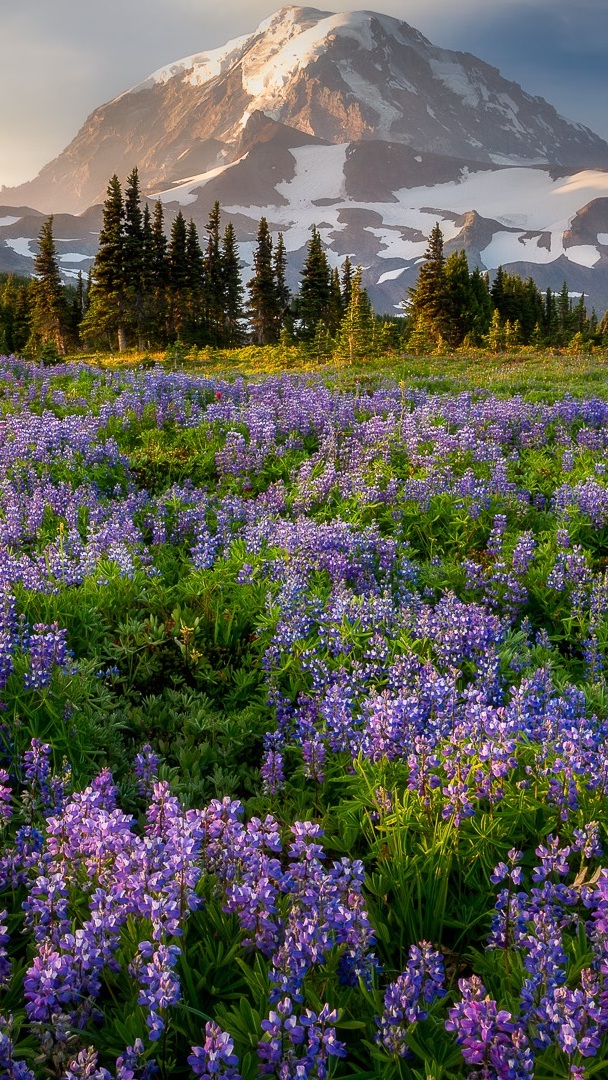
(49, 316)
(314, 297)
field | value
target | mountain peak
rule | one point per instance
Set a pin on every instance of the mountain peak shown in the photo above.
(335, 77)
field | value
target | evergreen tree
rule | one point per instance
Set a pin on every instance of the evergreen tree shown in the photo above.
(549, 321)
(81, 296)
(428, 301)
(481, 306)
(315, 288)
(346, 281)
(263, 308)
(159, 274)
(214, 279)
(133, 256)
(496, 334)
(531, 312)
(420, 339)
(458, 313)
(356, 336)
(513, 334)
(518, 301)
(579, 316)
(280, 272)
(232, 288)
(15, 312)
(563, 313)
(193, 328)
(335, 311)
(177, 275)
(77, 306)
(49, 320)
(108, 311)
(148, 321)
(497, 289)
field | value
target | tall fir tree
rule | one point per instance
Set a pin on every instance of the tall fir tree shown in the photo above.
(282, 288)
(579, 315)
(356, 335)
(133, 257)
(496, 337)
(194, 319)
(549, 322)
(148, 321)
(263, 306)
(232, 288)
(497, 288)
(159, 275)
(315, 288)
(50, 318)
(564, 311)
(15, 312)
(177, 276)
(458, 314)
(481, 306)
(427, 298)
(214, 280)
(335, 310)
(76, 306)
(346, 281)
(107, 313)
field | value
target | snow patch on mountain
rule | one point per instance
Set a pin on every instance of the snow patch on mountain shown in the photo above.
(185, 192)
(366, 91)
(319, 175)
(391, 275)
(73, 257)
(524, 202)
(583, 254)
(20, 245)
(290, 49)
(6, 221)
(453, 75)
(197, 69)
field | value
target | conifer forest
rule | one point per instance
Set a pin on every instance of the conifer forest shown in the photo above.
(303, 668)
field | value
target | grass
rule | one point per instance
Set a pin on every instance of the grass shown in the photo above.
(525, 371)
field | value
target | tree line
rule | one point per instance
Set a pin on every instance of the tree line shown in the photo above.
(453, 305)
(148, 289)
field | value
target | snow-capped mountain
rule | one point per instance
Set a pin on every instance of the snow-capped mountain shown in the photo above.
(356, 123)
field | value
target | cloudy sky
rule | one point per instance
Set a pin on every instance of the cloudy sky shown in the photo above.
(59, 59)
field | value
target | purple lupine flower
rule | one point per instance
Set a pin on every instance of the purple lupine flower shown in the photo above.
(11, 1069)
(298, 1046)
(216, 1058)
(421, 982)
(159, 984)
(509, 922)
(587, 840)
(5, 964)
(523, 553)
(573, 1019)
(6, 797)
(131, 1065)
(85, 1067)
(47, 649)
(489, 1037)
(145, 767)
(272, 769)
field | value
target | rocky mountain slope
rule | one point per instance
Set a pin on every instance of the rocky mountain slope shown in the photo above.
(354, 122)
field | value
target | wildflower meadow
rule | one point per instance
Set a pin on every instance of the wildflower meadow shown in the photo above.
(303, 726)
